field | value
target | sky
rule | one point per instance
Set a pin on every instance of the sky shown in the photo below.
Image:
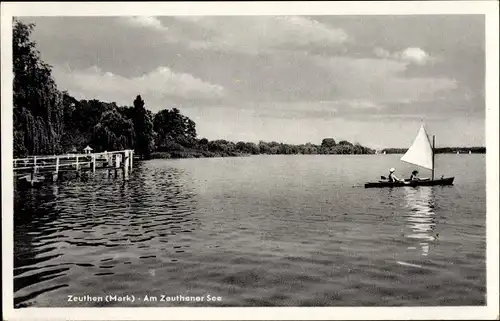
(293, 79)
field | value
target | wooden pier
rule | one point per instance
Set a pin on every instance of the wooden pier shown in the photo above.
(35, 170)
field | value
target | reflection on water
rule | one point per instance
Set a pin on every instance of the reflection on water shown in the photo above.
(101, 226)
(421, 216)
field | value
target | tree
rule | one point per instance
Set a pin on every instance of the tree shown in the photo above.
(252, 148)
(171, 126)
(80, 119)
(241, 146)
(328, 142)
(113, 132)
(358, 149)
(87, 114)
(143, 125)
(69, 104)
(203, 144)
(345, 142)
(190, 128)
(38, 104)
(264, 147)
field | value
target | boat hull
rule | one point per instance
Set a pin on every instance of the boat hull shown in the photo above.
(442, 181)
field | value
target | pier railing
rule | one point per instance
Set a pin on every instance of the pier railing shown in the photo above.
(56, 164)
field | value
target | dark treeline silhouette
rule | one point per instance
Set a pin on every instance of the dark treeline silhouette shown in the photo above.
(50, 121)
(441, 150)
(205, 148)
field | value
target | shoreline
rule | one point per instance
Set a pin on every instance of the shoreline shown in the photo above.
(206, 154)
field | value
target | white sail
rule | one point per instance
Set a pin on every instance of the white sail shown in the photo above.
(420, 152)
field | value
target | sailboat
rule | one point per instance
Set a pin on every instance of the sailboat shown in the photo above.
(421, 153)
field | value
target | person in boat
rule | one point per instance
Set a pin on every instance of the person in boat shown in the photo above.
(392, 177)
(414, 176)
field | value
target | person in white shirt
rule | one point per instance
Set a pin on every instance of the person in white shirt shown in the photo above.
(392, 177)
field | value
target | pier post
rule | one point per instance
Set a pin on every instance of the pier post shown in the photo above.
(117, 164)
(77, 168)
(33, 172)
(126, 165)
(93, 163)
(131, 152)
(55, 176)
(110, 163)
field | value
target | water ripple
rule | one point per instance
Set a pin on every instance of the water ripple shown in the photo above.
(258, 231)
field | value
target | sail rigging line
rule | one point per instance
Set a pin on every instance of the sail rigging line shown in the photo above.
(433, 154)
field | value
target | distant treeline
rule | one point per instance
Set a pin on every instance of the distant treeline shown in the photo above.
(50, 121)
(441, 150)
(205, 148)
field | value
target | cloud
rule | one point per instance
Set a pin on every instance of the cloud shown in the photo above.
(415, 55)
(382, 53)
(243, 34)
(159, 85)
(257, 34)
(410, 55)
(145, 21)
(380, 80)
(314, 109)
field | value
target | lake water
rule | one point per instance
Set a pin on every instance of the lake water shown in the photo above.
(255, 231)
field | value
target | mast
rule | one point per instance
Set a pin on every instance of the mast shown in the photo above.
(433, 145)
